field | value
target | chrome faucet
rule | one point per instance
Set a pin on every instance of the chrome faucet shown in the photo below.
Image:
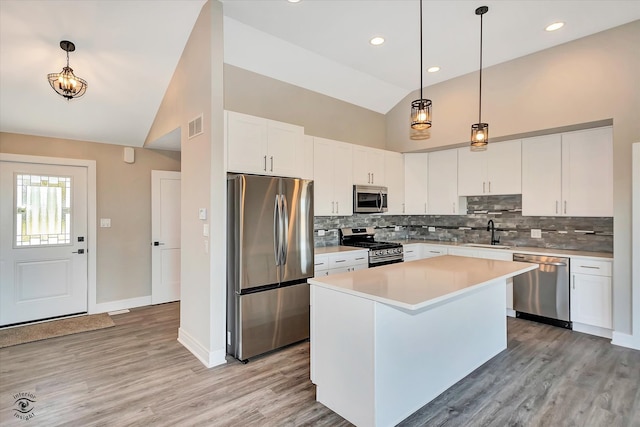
(491, 227)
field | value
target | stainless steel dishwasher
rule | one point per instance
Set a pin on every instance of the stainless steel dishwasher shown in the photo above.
(543, 294)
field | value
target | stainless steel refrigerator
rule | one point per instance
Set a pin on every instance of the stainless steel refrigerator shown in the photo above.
(269, 258)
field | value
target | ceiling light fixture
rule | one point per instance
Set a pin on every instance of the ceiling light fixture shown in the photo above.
(377, 41)
(433, 69)
(480, 131)
(65, 83)
(554, 26)
(293, 1)
(421, 108)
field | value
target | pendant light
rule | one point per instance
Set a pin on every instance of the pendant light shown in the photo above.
(480, 131)
(420, 108)
(65, 83)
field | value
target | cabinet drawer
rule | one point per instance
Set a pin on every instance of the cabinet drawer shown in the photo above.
(348, 259)
(320, 263)
(589, 266)
(432, 251)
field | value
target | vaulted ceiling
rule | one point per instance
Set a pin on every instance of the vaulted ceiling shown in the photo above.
(128, 49)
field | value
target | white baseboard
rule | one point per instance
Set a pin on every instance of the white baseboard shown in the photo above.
(122, 304)
(206, 357)
(626, 340)
(592, 330)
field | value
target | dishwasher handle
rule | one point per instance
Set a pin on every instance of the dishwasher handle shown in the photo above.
(531, 260)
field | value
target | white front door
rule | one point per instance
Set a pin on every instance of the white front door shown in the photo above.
(43, 259)
(165, 232)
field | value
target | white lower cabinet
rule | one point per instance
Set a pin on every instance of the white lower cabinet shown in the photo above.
(341, 262)
(591, 294)
(412, 251)
(430, 251)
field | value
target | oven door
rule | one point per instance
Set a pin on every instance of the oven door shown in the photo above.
(369, 199)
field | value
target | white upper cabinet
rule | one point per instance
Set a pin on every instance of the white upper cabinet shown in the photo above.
(587, 173)
(262, 146)
(415, 183)
(394, 180)
(442, 183)
(333, 185)
(497, 170)
(368, 166)
(568, 174)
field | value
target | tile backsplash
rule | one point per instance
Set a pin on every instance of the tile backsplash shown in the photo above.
(573, 233)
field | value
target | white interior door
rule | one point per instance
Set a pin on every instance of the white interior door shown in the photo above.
(43, 249)
(165, 226)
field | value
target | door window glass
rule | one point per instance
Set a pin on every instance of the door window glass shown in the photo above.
(43, 210)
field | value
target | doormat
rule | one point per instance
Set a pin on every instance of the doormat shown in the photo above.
(55, 328)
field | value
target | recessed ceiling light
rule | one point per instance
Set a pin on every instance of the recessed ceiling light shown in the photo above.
(377, 41)
(433, 69)
(554, 26)
(293, 1)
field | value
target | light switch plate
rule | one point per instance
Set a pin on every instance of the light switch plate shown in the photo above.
(105, 222)
(205, 230)
(536, 233)
(202, 213)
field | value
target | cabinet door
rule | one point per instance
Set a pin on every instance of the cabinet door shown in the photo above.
(504, 168)
(591, 300)
(306, 171)
(376, 165)
(442, 183)
(246, 143)
(587, 173)
(284, 143)
(472, 171)
(361, 168)
(415, 183)
(394, 178)
(323, 164)
(541, 176)
(342, 179)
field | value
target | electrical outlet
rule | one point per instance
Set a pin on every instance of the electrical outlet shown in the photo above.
(321, 233)
(536, 233)
(432, 229)
(396, 228)
(105, 222)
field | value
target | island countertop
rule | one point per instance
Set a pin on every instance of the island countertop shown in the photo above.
(419, 284)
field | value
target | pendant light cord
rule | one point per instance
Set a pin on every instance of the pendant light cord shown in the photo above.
(480, 97)
(421, 97)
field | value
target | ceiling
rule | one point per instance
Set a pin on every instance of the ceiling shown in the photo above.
(127, 50)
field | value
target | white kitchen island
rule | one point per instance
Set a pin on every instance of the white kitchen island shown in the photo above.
(387, 340)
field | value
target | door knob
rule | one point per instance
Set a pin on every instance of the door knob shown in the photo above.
(79, 251)
(157, 243)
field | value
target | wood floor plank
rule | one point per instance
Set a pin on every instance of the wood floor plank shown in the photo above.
(137, 374)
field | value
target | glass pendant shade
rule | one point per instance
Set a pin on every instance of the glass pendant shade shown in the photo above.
(479, 136)
(65, 83)
(421, 114)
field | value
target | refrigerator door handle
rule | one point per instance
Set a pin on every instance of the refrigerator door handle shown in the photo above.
(285, 229)
(276, 229)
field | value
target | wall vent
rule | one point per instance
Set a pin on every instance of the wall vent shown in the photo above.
(195, 127)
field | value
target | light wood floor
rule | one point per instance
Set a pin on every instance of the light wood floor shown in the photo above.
(138, 374)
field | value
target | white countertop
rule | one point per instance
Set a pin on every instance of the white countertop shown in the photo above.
(419, 284)
(336, 249)
(512, 249)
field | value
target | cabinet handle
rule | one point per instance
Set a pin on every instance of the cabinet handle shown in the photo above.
(454, 207)
(333, 207)
(403, 208)
(265, 163)
(372, 178)
(434, 252)
(574, 282)
(483, 185)
(358, 259)
(271, 163)
(368, 177)
(489, 186)
(556, 206)
(408, 252)
(565, 206)
(337, 207)
(341, 260)
(590, 266)
(320, 263)
(425, 208)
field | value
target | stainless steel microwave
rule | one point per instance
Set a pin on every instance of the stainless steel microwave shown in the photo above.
(369, 199)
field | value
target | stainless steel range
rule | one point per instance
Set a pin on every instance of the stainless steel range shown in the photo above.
(380, 253)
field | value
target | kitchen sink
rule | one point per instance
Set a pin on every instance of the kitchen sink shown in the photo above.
(480, 245)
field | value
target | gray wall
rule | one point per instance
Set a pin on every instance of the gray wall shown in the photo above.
(124, 195)
(323, 116)
(587, 80)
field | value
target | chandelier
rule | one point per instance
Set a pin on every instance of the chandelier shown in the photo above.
(65, 83)
(480, 131)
